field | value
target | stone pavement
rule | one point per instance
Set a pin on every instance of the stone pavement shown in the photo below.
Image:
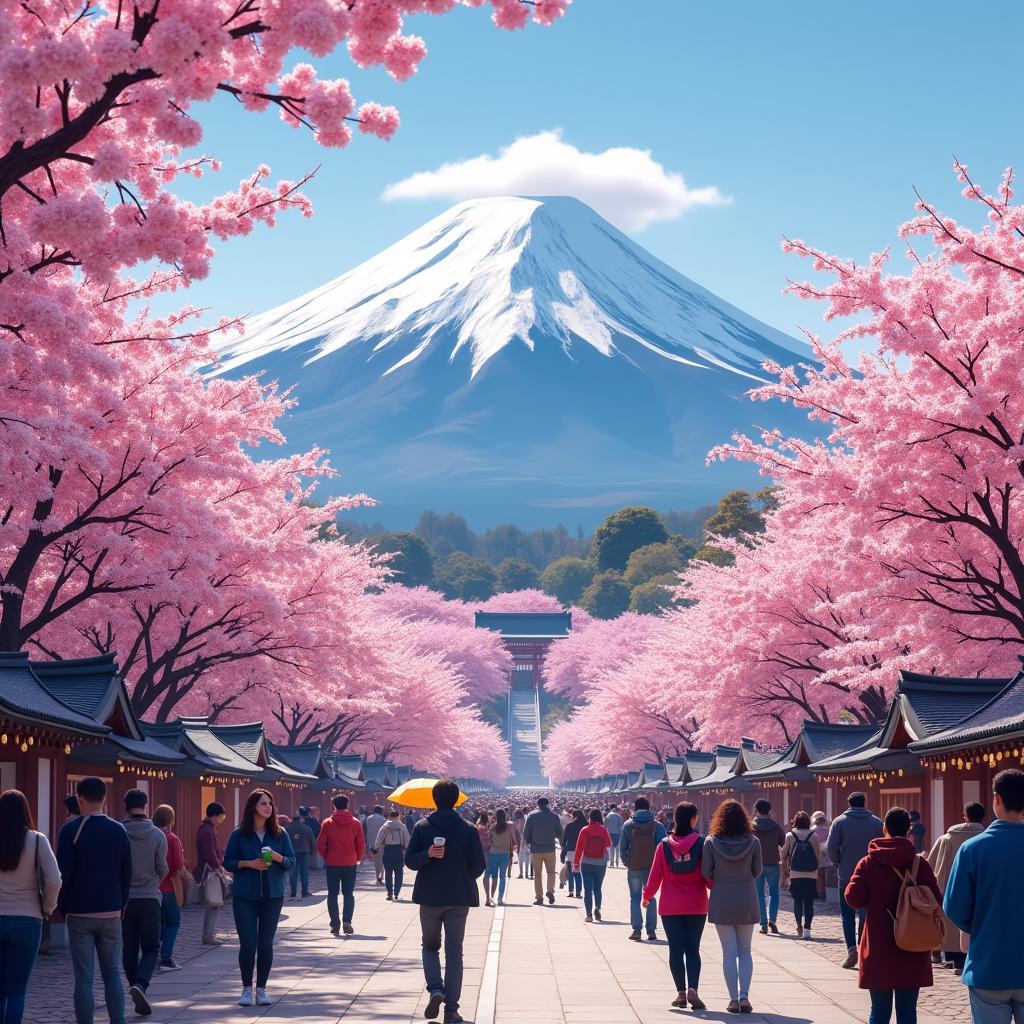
(523, 963)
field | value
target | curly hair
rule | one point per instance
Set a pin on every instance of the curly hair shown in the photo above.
(730, 821)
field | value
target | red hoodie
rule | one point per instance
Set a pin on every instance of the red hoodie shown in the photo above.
(680, 894)
(341, 842)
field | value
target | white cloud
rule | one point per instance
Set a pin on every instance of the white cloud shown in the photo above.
(625, 185)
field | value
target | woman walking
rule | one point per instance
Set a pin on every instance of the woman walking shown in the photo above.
(522, 856)
(892, 975)
(820, 824)
(504, 839)
(259, 854)
(172, 893)
(731, 861)
(683, 903)
(800, 859)
(392, 839)
(590, 859)
(26, 860)
(570, 836)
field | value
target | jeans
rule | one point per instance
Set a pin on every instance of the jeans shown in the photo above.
(210, 916)
(882, 1002)
(102, 936)
(497, 868)
(737, 961)
(256, 922)
(769, 877)
(847, 913)
(574, 878)
(543, 862)
(684, 932)
(989, 1006)
(453, 921)
(636, 878)
(170, 918)
(394, 869)
(300, 871)
(613, 853)
(19, 943)
(803, 891)
(346, 878)
(140, 932)
(593, 878)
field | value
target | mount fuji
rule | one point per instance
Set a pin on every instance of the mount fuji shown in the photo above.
(518, 359)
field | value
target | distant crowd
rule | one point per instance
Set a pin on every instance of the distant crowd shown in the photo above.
(120, 886)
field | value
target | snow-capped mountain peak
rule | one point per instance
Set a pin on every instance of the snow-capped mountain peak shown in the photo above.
(490, 273)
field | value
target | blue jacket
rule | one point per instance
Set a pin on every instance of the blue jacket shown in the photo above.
(96, 870)
(626, 838)
(848, 840)
(250, 884)
(984, 897)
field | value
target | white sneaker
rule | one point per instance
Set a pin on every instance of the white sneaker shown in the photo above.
(807, 934)
(262, 999)
(245, 999)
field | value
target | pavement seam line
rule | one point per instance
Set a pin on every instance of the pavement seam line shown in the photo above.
(487, 1000)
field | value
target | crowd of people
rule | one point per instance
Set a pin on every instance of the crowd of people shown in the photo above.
(120, 886)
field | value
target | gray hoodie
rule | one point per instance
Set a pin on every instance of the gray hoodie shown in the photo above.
(732, 865)
(542, 829)
(848, 840)
(149, 857)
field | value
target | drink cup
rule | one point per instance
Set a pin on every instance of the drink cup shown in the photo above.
(439, 841)
(268, 855)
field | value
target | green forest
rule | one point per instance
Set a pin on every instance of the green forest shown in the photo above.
(627, 564)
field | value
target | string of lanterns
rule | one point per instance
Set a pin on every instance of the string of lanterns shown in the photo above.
(28, 737)
(991, 756)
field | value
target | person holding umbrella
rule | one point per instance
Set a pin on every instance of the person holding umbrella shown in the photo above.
(446, 853)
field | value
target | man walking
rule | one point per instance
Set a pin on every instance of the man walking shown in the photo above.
(446, 853)
(984, 899)
(304, 845)
(613, 822)
(95, 861)
(342, 846)
(847, 843)
(374, 823)
(637, 843)
(142, 920)
(772, 837)
(542, 830)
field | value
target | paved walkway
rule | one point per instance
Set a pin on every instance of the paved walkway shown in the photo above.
(523, 963)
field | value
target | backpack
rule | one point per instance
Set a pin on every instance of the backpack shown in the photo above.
(641, 850)
(803, 857)
(918, 926)
(690, 860)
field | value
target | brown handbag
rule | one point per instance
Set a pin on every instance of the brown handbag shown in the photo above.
(918, 925)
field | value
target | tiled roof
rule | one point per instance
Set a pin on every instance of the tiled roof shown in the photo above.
(1002, 717)
(699, 765)
(821, 739)
(23, 697)
(939, 702)
(303, 757)
(89, 685)
(192, 736)
(526, 624)
(724, 769)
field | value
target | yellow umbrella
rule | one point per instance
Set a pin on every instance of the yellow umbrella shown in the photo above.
(417, 793)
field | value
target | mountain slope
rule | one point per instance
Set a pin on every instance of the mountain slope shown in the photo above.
(518, 359)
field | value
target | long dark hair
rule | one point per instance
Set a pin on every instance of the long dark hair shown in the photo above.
(500, 821)
(730, 821)
(15, 823)
(248, 826)
(682, 818)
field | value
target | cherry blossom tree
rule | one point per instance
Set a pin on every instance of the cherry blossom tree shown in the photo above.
(925, 454)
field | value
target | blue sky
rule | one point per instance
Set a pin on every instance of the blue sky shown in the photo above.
(815, 119)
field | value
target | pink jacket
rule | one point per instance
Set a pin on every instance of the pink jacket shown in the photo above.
(680, 894)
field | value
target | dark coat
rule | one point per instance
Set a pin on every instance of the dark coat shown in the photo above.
(96, 871)
(876, 886)
(451, 880)
(250, 884)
